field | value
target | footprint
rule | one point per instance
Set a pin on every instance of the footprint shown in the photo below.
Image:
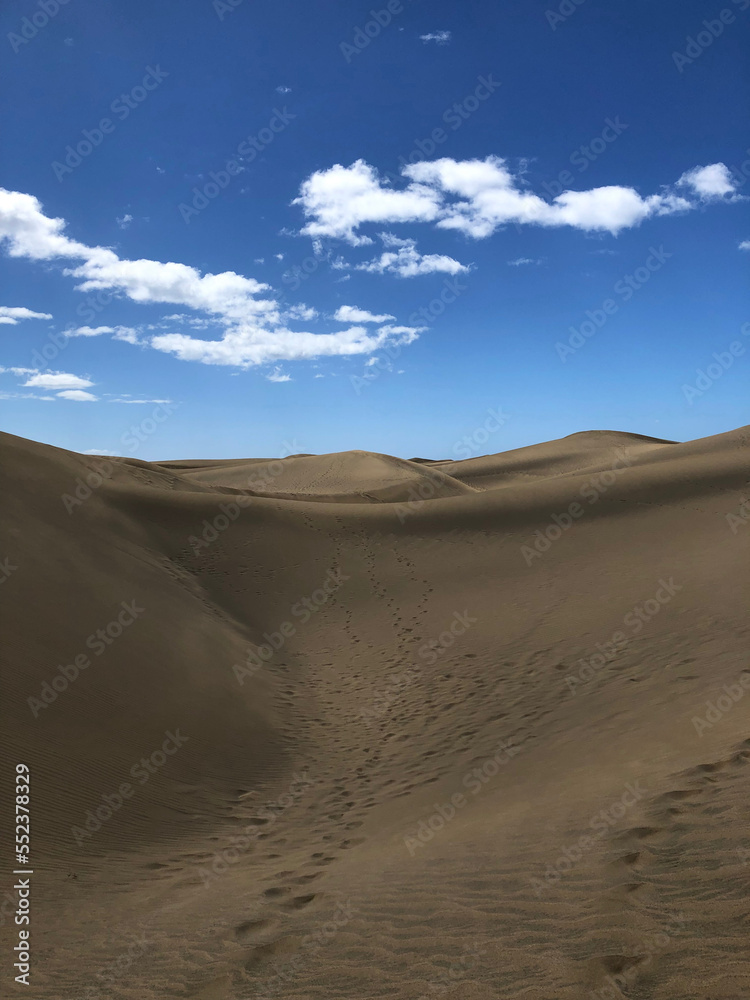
(299, 901)
(250, 928)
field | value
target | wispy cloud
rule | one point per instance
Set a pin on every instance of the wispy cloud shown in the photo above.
(278, 376)
(439, 37)
(126, 333)
(10, 315)
(405, 261)
(521, 261)
(125, 221)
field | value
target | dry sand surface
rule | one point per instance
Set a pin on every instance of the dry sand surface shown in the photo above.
(355, 726)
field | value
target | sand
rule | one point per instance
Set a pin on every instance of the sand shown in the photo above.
(355, 726)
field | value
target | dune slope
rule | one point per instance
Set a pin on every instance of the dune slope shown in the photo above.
(355, 726)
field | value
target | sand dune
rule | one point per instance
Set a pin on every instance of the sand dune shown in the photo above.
(356, 726)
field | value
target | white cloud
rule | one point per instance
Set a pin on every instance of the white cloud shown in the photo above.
(709, 182)
(520, 261)
(20, 371)
(78, 396)
(10, 315)
(279, 256)
(407, 262)
(477, 197)
(98, 451)
(351, 314)
(57, 380)
(340, 199)
(283, 90)
(302, 312)
(252, 326)
(745, 245)
(278, 376)
(137, 402)
(126, 333)
(125, 221)
(439, 37)
(25, 395)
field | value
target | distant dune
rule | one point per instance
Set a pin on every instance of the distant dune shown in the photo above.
(354, 726)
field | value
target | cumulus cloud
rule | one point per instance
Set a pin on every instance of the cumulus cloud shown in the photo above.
(57, 380)
(78, 396)
(351, 314)
(714, 181)
(253, 331)
(125, 221)
(10, 315)
(477, 197)
(745, 245)
(278, 376)
(439, 37)
(340, 199)
(405, 261)
(301, 312)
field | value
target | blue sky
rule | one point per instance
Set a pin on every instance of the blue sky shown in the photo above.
(298, 227)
